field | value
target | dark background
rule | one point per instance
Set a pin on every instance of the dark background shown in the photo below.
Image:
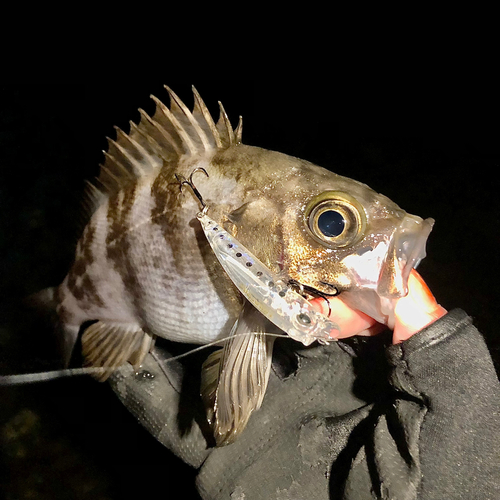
(432, 149)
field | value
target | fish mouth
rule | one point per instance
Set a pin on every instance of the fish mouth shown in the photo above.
(333, 290)
(405, 252)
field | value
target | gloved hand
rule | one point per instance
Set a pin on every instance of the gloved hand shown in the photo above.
(412, 313)
(164, 397)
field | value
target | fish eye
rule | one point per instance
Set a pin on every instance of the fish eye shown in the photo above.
(331, 223)
(335, 219)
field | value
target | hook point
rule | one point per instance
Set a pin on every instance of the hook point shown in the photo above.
(182, 180)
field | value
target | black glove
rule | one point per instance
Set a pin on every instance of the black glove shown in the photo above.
(359, 419)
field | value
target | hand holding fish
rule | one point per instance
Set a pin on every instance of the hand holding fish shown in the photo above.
(280, 231)
(412, 313)
(270, 246)
(273, 232)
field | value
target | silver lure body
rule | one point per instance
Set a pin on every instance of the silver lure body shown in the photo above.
(276, 300)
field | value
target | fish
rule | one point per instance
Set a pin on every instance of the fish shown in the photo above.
(144, 268)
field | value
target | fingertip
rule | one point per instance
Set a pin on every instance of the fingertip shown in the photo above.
(320, 304)
(350, 321)
(415, 311)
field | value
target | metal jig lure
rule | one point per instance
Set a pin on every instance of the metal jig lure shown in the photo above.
(274, 298)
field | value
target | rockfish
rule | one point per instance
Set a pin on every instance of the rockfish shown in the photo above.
(144, 269)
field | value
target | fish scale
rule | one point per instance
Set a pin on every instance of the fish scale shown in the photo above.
(148, 288)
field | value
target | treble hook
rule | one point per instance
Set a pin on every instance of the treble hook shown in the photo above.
(182, 180)
(313, 291)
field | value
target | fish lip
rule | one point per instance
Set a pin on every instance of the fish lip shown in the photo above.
(405, 251)
(316, 291)
(411, 241)
(334, 288)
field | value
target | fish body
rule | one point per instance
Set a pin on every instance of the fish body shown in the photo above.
(143, 267)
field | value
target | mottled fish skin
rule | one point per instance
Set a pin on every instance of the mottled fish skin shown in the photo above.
(142, 259)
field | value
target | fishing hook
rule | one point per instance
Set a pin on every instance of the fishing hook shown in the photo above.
(313, 291)
(182, 180)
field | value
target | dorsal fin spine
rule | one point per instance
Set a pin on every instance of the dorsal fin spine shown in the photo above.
(155, 156)
(170, 140)
(113, 159)
(138, 146)
(134, 129)
(189, 116)
(91, 196)
(135, 167)
(168, 136)
(239, 131)
(225, 125)
(101, 185)
(108, 172)
(134, 144)
(208, 117)
(179, 129)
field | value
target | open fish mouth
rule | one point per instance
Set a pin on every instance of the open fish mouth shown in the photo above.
(405, 252)
(383, 270)
(381, 275)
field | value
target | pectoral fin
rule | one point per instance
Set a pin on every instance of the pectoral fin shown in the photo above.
(234, 378)
(109, 346)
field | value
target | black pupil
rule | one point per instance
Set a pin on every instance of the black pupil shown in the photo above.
(331, 223)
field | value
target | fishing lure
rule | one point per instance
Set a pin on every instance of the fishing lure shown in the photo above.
(270, 295)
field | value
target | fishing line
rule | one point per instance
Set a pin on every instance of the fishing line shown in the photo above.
(29, 378)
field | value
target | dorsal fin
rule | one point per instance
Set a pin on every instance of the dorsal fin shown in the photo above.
(169, 135)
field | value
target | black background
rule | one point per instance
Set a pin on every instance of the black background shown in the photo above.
(432, 149)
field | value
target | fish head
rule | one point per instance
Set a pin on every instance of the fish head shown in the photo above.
(332, 234)
(347, 238)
